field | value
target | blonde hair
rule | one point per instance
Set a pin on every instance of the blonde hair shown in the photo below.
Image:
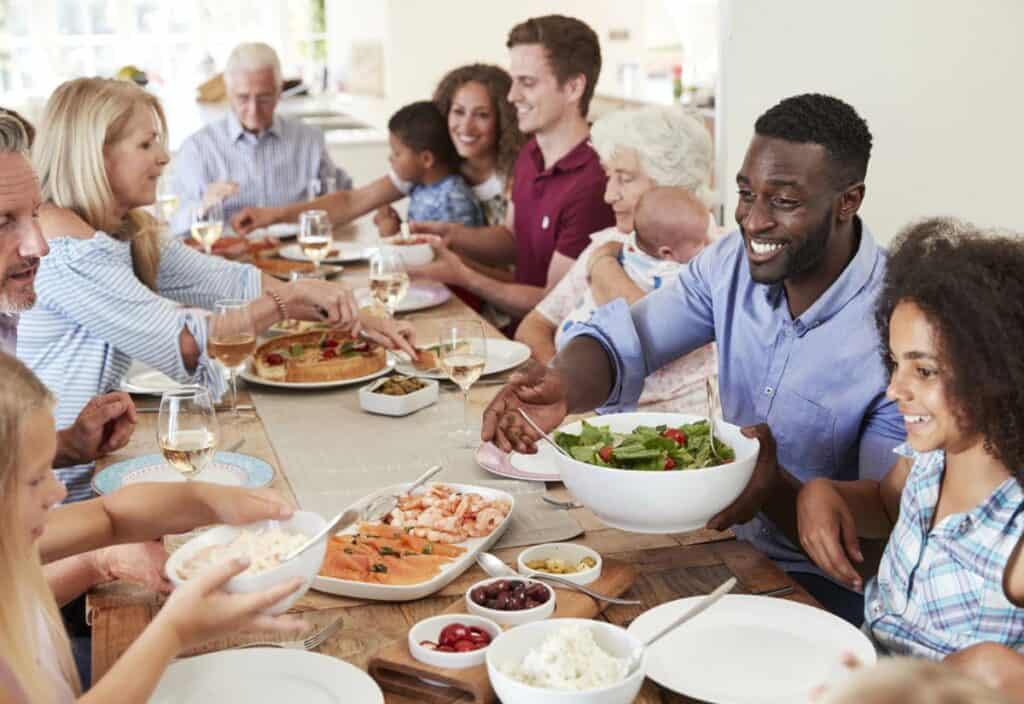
(902, 680)
(673, 147)
(22, 583)
(80, 120)
(253, 56)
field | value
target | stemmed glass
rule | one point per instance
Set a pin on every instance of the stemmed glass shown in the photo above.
(462, 353)
(388, 281)
(187, 429)
(207, 224)
(315, 236)
(166, 200)
(232, 340)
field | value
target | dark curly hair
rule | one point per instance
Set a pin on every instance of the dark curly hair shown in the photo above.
(421, 127)
(970, 286)
(821, 119)
(497, 83)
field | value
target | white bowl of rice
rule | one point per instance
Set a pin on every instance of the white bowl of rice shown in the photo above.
(564, 661)
(264, 543)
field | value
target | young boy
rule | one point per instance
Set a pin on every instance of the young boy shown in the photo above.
(422, 153)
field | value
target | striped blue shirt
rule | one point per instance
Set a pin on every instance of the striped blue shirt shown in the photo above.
(93, 317)
(939, 588)
(272, 169)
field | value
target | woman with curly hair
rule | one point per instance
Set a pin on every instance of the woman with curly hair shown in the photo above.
(952, 330)
(483, 127)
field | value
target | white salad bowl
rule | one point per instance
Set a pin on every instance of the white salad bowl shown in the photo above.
(512, 646)
(306, 565)
(416, 254)
(670, 501)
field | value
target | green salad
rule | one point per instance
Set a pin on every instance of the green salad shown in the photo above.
(647, 448)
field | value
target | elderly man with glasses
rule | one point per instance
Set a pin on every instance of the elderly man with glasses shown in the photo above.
(252, 157)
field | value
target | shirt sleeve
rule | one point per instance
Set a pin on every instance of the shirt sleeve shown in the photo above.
(99, 291)
(881, 440)
(666, 324)
(328, 169)
(582, 216)
(464, 208)
(195, 279)
(189, 186)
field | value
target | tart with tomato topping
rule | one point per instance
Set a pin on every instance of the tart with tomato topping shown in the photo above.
(317, 357)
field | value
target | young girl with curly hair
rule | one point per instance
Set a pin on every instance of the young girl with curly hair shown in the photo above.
(952, 331)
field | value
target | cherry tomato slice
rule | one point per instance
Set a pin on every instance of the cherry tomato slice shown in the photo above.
(605, 453)
(670, 463)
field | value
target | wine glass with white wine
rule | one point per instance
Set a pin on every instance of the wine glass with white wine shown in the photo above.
(388, 280)
(315, 236)
(462, 353)
(187, 429)
(232, 340)
(207, 224)
(166, 201)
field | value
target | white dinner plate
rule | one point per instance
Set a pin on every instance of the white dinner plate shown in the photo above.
(502, 355)
(140, 379)
(449, 572)
(749, 649)
(265, 676)
(347, 252)
(249, 376)
(229, 468)
(421, 295)
(541, 467)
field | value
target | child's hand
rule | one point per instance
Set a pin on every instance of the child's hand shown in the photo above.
(828, 532)
(387, 221)
(200, 610)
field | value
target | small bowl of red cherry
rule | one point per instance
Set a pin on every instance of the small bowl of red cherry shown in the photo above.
(452, 641)
(511, 601)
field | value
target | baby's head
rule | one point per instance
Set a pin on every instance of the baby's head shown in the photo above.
(951, 326)
(671, 223)
(421, 147)
(910, 681)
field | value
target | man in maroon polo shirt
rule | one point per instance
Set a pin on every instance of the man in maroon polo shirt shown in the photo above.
(557, 184)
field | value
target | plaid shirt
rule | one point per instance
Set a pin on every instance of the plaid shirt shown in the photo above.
(940, 589)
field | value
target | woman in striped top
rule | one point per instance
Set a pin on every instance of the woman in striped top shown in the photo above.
(112, 289)
(950, 584)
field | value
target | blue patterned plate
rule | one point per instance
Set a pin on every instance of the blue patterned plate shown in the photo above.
(228, 468)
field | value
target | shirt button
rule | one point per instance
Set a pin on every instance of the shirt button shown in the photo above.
(545, 222)
(965, 525)
(768, 391)
(876, 608)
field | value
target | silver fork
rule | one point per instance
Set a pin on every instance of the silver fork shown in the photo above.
(711, 419)
(312, 641)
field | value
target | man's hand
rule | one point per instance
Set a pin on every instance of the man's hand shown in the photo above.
(104, 425)
(387, 221)
(539, 391)
(753, 497)
(447, 267)
(828, 531)
(392, 334)
(137, 563)
(219, 191)
(248, 219)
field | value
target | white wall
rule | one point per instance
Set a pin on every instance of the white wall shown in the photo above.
(938, 81)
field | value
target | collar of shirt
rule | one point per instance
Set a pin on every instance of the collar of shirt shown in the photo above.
(854, 278)
(236, 131)
(8, 334)
(576, 158)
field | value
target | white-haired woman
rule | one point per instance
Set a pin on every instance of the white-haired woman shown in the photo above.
(640, 150)
(34, 649)
(112, 289)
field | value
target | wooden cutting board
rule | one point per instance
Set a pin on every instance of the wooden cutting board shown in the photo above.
(396, 670)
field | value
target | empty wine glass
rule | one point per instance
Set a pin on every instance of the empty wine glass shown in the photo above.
(315, 236)
(388, 280)
(232, 340)
(187, 429)
(462, 353)
(207, 224)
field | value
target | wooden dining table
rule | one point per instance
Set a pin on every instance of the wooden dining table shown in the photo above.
(319, 442)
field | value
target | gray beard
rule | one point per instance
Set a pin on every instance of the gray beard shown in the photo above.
(9, 307)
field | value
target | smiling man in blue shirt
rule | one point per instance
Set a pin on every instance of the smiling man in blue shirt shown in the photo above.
(789, 299)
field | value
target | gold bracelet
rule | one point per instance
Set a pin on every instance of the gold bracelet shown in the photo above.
(281, 309)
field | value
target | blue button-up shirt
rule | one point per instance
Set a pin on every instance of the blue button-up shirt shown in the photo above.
(272, 169)
(818, 380)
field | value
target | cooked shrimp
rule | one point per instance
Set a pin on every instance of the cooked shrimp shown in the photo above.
(486, 521)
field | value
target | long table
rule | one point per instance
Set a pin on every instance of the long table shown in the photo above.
(319, 443)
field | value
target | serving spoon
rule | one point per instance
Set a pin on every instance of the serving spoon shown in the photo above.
(544, 435)
(495, 567)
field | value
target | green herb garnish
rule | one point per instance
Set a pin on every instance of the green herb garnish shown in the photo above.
(379, 567)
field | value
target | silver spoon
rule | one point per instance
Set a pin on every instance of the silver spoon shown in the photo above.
(340, 522)
(544, 435)
(709, 387)
(707, 602)
(493, 565)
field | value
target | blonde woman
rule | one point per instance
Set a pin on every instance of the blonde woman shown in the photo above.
(34, 648)
(112, 289)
